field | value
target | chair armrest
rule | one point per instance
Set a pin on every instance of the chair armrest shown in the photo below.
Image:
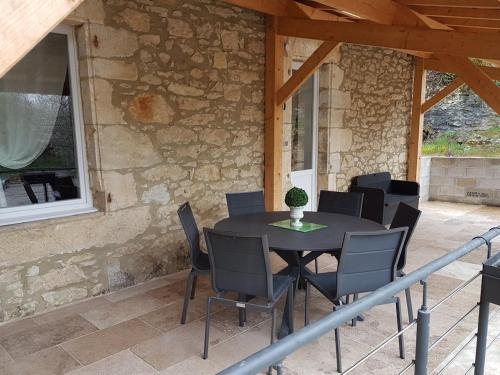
(405, 187)
(373, 202)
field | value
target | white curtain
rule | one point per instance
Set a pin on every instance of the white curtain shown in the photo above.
(30, 99)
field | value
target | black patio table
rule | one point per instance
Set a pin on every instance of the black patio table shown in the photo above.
(290, 245)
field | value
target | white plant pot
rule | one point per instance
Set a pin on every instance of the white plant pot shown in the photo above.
(296, 213)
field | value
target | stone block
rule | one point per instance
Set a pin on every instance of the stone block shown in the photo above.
(452, 190)
(466, 182)
(111, 42)
(340, 140)
(137, 21)
(151, 108)
(179, 28)
(115, 69)
(120, 189)
(124, 148)
(457, 171)
(157, 194)
(106, 111)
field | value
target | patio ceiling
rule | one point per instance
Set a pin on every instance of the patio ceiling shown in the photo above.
(443, 35)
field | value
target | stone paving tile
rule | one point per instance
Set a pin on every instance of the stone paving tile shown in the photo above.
(77, 308)
(4, 357)
(111, 314)
(46, 335)
(177, 345)
(51, 361)
(175, 292)
(101, 344)
(122, 363)
(16, 327)
(146, 287)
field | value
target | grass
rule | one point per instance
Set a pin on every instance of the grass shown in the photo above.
(453, 143)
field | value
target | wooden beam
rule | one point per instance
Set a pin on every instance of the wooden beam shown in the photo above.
(305, 71)
(417, 121)
(471, 22)
(398, 37)
(380, 11)
(476, 79)
(482, 13)
(453, 3)
(24, 23)
(285, 8)
(439, 66)
(442, 94)
(273, 143)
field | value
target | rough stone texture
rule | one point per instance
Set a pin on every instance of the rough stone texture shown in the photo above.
(172, 97)
(364, 113)
(467, 180)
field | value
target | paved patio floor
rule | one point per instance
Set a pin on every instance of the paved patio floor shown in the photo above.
(137, 331)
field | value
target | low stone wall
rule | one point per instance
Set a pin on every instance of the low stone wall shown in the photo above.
(466, 180)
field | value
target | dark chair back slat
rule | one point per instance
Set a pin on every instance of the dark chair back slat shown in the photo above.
(350, 203)
(192, 233)
(368, 260)
(406, 216)
(240, 263)
(245, 203)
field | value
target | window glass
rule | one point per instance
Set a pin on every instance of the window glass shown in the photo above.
(303, 127)
(38, 156)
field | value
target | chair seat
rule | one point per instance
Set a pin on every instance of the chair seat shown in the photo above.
(391, 199)
(202, 263)
(280, 285)
(326, 283)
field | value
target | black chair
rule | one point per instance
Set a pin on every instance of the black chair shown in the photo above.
(382, 195)
(245, 203)
(200, 265)
(241, 264)
(336, 202)
(368, 261)
(406, 216)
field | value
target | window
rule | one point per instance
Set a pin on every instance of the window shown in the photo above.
(42, 153)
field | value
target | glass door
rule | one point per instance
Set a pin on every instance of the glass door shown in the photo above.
(304, 139)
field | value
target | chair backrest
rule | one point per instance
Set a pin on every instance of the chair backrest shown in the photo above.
(188, 223)
(380, 180)
(368, 260)
(245, 203)
(340, 203)
(405, 216)
(239, 263)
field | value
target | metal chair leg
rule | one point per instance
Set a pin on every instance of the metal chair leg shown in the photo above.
(337, 349)
(409, 305)
(193, 289)
(400, 328)
(273, 327)
(316, 267)
(290, 307)
(187, 295)
(306, 304)
(241, 311)
(355, 320)
(207, 329)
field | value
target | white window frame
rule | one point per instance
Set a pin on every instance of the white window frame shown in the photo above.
(42, 211)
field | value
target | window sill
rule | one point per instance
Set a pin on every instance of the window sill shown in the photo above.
(35, 217)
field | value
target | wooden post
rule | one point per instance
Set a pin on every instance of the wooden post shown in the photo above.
(417, 121)
(273, 153)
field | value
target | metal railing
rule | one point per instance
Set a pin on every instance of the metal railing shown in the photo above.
(276, 352)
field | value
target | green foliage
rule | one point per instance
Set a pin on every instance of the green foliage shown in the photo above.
(296, 197)
(453, 143)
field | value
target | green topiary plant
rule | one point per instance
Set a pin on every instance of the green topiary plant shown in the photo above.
(296, 197)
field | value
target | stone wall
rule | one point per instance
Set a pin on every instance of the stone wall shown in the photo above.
(172, 96)
(364, 113)
(467, 180)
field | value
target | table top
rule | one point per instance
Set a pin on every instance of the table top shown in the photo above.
(329, 238)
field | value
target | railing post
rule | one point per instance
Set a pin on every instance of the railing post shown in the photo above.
(423, 334)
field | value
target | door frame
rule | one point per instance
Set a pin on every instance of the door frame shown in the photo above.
(315, 116)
